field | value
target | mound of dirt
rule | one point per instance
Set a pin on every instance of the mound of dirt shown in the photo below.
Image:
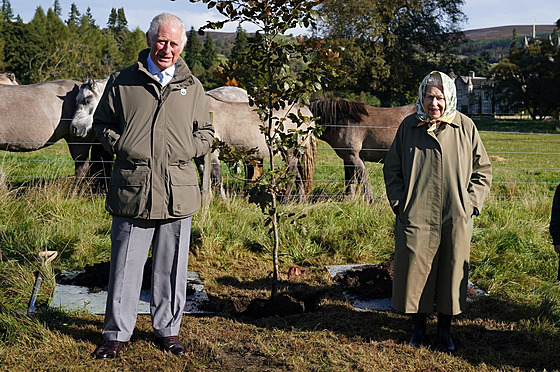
(371, 282)
(368, 282)
(96, 277)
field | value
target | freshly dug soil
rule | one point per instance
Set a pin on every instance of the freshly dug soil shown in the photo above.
(371, 282)
(368, 282)
(96, 277)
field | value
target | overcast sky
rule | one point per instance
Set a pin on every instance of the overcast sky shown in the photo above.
(481, 13)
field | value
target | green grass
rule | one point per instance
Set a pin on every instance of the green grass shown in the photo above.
(511, 258)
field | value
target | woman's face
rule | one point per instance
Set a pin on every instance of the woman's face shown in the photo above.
(434, 102)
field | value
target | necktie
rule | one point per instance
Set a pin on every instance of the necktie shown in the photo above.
(160, 77)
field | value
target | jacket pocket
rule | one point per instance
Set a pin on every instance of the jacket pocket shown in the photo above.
(185, 192)
(128, 190)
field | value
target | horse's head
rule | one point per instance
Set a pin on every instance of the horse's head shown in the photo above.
(8, 78)
(86, 102)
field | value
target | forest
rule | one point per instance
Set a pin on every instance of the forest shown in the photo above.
(381, 61)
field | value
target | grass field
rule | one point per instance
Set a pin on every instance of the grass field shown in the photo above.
(512, 329)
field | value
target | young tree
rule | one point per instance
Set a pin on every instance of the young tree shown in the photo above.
(274, 86)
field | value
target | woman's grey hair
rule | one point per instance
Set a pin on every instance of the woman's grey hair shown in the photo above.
(169, 20)
(434, 80)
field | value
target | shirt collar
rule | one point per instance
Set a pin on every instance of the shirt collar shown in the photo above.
(170, 71)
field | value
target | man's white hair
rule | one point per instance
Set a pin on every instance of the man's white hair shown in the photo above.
(169, 20)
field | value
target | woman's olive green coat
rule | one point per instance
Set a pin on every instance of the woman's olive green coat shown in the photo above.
(434, 183)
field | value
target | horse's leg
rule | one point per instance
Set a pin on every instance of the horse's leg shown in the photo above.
(101, 168)
(216, 175)
(350, 177)
(80, 155)
(355, 175)
(362, 179)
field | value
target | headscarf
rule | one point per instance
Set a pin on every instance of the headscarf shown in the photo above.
(450, 94)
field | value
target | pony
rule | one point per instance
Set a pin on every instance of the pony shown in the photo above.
(235, 123)
(101, 161)
(37, 115)
(238, 124)
(358, 133)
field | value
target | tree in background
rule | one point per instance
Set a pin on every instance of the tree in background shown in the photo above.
(7, 12)
(240, 45)
(529, 78)
(390, 45)
(70, 49)
(73, 16)
(192, 51)
(89, 18)
(478, 65)
(57, 9)
(208, 56)
(235, 70)
(134, 42)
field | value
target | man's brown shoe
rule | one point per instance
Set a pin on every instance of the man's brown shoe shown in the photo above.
(109, 350)
(171, 344)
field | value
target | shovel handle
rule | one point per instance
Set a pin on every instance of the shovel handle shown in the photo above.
(38, 281)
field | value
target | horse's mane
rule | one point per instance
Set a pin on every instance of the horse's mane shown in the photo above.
(337, 111)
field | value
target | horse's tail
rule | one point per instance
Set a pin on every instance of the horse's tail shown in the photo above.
(307, 163)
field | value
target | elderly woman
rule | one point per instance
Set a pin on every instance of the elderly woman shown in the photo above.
(437, 175)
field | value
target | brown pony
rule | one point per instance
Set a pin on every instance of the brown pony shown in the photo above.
(358, 133)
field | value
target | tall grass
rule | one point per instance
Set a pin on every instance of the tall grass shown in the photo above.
(511, 256)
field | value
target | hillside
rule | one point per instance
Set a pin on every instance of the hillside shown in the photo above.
(504, 32)
(493, 42)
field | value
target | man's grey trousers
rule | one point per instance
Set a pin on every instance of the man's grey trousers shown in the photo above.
(130, 245)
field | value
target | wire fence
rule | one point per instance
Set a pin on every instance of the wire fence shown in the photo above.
(525, 165)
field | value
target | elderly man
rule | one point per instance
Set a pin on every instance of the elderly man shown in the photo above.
(153, 116)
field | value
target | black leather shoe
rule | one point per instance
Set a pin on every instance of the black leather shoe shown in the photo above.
(444, 333)
(109, 350)
(171, 344)
(419, 330)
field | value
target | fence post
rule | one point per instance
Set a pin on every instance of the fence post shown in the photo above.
(206, 181)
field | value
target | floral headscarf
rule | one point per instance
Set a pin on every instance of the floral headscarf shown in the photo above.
(450, 94)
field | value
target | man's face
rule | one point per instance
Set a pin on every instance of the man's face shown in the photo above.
(166, 46)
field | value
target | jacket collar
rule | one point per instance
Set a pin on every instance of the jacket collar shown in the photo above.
(183, 76)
